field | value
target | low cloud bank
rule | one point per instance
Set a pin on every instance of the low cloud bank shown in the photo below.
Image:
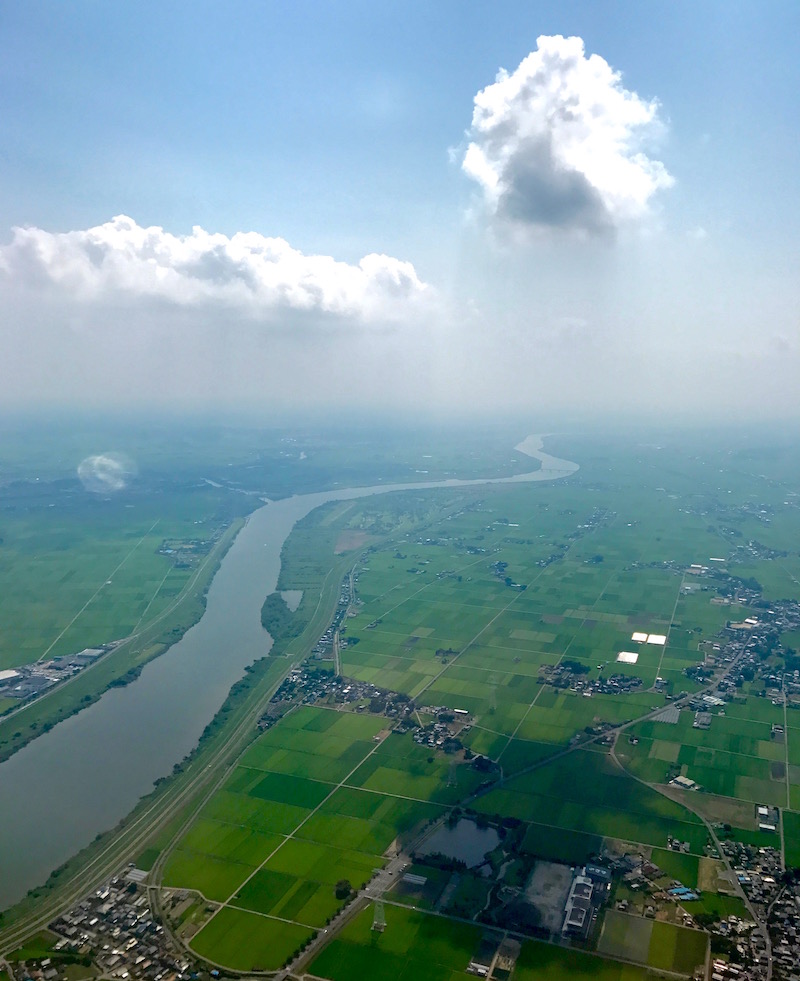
(262, 278)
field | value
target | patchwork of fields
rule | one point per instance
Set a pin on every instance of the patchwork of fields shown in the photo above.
(736, 757)
(316, 800)
(513, 609)
(89, 572)
(652, 942)
(441, 623)
(418, 946)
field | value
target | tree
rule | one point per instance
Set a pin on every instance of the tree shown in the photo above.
(343, 889)
(519, 915)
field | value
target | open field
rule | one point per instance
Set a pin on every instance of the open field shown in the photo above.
(413, 945)
(240, 836)
(540, 962)
(588, 795)
(89, 571)
(791, 831)
(660, 945)
(247, 942)
(277, 844)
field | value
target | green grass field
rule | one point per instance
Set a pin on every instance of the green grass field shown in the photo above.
(660, 945)
(541, 962)
(416, 945)
(38, 946)
(237, 849)
(677, 865)
(246, 822)
(88, 571)
(248, 942)
(413, 945)
(791, 831)
(674, 948)
(586, 794)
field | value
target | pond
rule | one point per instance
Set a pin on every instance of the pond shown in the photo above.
(465, 842)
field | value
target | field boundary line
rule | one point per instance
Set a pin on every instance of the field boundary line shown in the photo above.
(267, 916)
(289, 837)
(669, 630)
(560, 659)
(96, 593)
(152, 600)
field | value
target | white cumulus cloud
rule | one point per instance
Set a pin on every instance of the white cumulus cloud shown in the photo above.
(559, 144)
(259, 277)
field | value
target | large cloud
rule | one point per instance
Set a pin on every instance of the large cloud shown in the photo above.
(262, 278)
(559, 143)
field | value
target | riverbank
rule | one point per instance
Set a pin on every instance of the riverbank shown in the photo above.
(120, 666)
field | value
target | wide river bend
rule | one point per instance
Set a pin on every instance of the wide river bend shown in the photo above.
(88, 772)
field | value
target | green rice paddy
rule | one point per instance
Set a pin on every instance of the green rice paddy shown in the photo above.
(438, 622)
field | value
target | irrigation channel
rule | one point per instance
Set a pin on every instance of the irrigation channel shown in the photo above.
(80, 778)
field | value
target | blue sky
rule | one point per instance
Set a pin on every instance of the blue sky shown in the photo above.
(342, 129)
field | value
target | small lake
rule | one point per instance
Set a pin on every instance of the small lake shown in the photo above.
(466, 842)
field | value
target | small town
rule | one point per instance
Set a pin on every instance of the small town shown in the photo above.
(112, 933)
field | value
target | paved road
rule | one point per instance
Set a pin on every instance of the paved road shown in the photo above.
(372, 892)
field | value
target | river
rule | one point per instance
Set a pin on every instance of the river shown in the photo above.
(84, 775)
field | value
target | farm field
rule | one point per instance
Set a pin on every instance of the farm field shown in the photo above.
(416, 945)
(413, 945)
(662, 946)
(291, 823)
(540, 962)
(248, 942)
(791, 830)
(736, 757)
(588, 795)
(89, 571)
(471, 616)
(507, 610)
